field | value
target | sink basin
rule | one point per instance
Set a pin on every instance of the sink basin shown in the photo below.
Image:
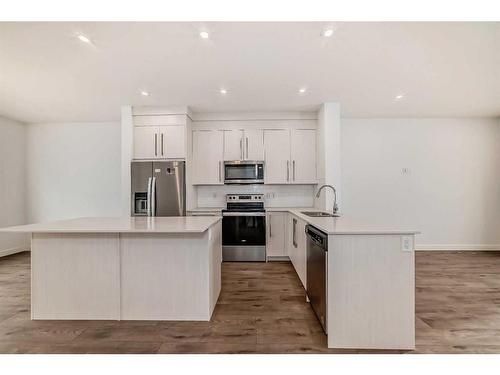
(319, 214)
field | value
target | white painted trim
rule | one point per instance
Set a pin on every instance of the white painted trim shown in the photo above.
(278, 258)
(158, 110)
(245, 116)
(127, 150)
(13, 250)
(457, 247)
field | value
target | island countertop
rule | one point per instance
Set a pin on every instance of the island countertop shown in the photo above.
(176, 224)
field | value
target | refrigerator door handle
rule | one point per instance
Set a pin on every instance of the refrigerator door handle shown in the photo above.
(148, 202)
(153, 196)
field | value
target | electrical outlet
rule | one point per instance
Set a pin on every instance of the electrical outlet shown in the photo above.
(406, 243)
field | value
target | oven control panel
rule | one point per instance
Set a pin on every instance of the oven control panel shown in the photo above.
(245, 198)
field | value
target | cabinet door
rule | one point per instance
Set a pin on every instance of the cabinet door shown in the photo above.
(233, 145)
(172, 143)
(290, 239)
(146, 142)
(303, 156)
(276, 234)
(253, 144)
(207, 157)
(301, 251)
(277, 156)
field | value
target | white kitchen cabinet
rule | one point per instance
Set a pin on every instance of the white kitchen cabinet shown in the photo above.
(244, 144)
(146, 142)
(253, 144)
(159, 142)
(277, 156)
(276, 222)
(233, 144)
(172, 143)
(290, 156)
(208, 146)
(303, 156)
(296, 246)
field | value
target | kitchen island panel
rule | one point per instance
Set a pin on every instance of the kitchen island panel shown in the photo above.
(371, 292)
(170, 277)
(75, 276)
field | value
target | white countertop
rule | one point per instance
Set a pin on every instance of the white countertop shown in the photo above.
(348, 225)
(334, 225)
(181, 224)
(205, 209)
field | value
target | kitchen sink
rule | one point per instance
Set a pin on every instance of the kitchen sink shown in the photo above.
(319, 214)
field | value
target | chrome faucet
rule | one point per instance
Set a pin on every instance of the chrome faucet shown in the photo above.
(335, 207)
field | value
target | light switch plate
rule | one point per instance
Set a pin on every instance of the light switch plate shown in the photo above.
(406, 243)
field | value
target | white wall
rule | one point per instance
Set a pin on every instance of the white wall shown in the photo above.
(73, 170)
(12, 184)
(329, 154)
(452, 190)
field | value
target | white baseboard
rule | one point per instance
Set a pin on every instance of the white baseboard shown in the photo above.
(13, 250)
(457, 247)
(278, 258)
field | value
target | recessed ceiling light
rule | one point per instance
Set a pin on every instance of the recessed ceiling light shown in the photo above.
(83, 38)
(223, 91)
(399, 97)
(302, 90)
(144, 93)
(204, 34)
(328, 33)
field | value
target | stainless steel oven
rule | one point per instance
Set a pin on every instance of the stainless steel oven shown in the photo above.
(243, 172)
(244, 228)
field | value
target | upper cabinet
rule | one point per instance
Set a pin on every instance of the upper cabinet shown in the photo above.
(243, 144)
(290, 156)
(207, 160)
(303, 156)
(277, 156)
(159, 137)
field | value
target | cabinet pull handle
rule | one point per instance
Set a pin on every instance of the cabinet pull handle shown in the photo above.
(247, 146)
(161, 144)
(219, 171)
(293, 169)
(294, 240)
(156, 144)
(241, 148)
(288, 170)
(270, 227)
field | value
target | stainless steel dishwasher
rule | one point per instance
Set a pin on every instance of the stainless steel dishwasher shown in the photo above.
(317, 257)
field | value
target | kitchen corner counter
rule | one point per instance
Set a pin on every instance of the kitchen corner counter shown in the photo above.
(342, 224)
(348, 225)
(181, 224)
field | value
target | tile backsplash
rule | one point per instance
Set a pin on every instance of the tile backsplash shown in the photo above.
(275, 195)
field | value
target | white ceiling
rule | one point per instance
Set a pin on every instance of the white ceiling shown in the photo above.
(443, 69)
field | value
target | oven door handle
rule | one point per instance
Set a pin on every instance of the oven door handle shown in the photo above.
(243, 214)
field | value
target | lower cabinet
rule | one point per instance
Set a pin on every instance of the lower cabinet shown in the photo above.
(275, 246)
(296, 246)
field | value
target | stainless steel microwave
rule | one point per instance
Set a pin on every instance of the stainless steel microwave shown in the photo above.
(243, 172)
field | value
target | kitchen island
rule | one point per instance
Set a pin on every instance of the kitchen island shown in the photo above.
(128, 268)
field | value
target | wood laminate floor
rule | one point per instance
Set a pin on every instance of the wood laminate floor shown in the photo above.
(262, 309)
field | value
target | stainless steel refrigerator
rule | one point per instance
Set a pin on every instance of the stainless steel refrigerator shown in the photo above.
(158, 188)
